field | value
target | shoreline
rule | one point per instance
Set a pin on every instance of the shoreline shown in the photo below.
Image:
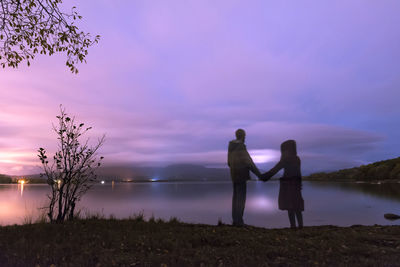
(387, 181)
(136, 242)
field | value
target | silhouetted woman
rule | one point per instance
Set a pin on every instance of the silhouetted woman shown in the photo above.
(290, 197)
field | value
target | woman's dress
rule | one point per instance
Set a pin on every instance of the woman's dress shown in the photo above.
(290, 197)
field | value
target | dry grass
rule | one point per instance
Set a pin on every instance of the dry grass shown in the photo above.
(136, 242)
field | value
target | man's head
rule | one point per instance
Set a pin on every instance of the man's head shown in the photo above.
(240, 134)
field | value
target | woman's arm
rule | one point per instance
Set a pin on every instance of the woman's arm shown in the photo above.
(268, 175)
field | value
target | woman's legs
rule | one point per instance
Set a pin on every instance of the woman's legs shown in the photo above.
(299, 216)
(292, 219)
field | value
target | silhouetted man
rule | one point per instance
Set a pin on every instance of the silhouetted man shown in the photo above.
(240, 163)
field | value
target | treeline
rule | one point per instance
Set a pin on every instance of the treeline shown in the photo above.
(5, 179)
(388, 170)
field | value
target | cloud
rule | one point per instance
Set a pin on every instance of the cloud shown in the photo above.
(173, 81)
(132, 138)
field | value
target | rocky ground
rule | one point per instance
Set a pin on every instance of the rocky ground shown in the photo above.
(135, 242)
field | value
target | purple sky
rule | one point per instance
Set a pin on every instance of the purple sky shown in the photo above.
(170, 81)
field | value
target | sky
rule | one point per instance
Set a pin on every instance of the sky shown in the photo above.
(171, 81)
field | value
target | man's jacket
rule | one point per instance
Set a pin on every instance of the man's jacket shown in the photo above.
(240, 162)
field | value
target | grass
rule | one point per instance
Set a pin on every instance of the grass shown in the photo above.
(136, 242)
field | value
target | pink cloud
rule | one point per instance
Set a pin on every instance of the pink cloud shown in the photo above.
(172, 81)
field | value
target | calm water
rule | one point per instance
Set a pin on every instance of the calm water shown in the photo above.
(325, 203)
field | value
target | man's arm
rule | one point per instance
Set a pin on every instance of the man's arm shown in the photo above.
(253, 168)
(229, 155)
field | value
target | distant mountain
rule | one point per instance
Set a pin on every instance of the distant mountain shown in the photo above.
(386, 170)
(190, 172)
(172, 172)
(5, 179)
(176, 172)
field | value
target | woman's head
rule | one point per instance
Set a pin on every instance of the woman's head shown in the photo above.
(288, 148)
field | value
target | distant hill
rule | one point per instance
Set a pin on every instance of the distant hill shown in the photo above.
(386, 170)
(5, 179)
(174, 172)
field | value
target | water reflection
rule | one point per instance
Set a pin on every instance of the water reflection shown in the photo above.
(19, 202)
(21, 186)
(326, 203)
(382, 190)
(261, 203)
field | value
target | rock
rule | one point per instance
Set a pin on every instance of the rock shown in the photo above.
(391, 216)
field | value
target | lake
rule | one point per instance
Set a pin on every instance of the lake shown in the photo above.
(341, 204)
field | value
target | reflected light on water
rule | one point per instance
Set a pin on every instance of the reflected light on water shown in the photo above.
(15, 209)
(21, 186)
(261, 203)
(5, 209)
(199, 202)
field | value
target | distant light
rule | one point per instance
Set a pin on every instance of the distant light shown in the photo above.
(102, 182)
(264, 155)
(21, 181)
(154, 180)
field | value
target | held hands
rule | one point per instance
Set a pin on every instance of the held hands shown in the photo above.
(264, 177)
